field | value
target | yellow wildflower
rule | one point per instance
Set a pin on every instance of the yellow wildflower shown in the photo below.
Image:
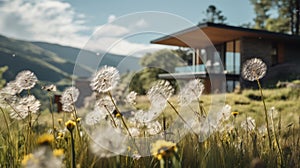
(58, 152)
(45, 139)
(234, 113)
(26, 159)
(70, 125)
(163, 149)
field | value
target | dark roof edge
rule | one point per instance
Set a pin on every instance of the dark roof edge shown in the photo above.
(224, 26)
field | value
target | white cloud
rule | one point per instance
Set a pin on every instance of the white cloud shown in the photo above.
(110, 30)
(47, 20)
(55, 21)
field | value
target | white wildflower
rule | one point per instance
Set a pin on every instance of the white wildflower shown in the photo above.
(6, 97)
(12, 88)
(158, 96)
(26, 79)
(106, 103)
(95, 116)
(68, 98)
(153, 128)
(225, 113)
(135, 132)
(131, 97)
(273, 113)
(191, 91)
(248, 124)
(49, 88)
(105, 79)
(254, 69)
(24, 106)
(108, 142)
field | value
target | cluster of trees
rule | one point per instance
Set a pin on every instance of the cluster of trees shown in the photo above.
(277, 15)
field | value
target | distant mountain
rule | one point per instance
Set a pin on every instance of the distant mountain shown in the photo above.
(90, 59)
(54, 63)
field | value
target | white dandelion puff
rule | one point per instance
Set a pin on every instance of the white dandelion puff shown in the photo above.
(68, 98)
(225, 113)
(24, 106)
(26, 79)
(106, 103)
(50, 88)
(95, 116)
(158, 96)
(108, 142)
(248, 124)
(191, 91)
(254, 69)
(131, 98)
(12, 88)
(105, 79)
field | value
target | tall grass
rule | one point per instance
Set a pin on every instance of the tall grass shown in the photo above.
(232, 148)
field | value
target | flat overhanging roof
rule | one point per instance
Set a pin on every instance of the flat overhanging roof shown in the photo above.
(208, 34)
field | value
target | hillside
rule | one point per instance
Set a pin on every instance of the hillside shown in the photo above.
(52, 62)
(90, 59)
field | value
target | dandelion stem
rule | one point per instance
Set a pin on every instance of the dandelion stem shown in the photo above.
(266, 112)
(111, 117)
(52, 115)
(123, 121)
(73, 150)
(172, 106)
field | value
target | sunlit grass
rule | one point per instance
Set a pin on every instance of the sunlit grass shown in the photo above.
(230, 148)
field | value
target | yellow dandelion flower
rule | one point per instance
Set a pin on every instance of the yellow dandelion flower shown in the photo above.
(163, 149)
(234, 113)
(78, 120)
(60, 135)
(45, 139)
(118, 115)
(26, 159)
(59, 121)
(70, 125)
(58, 152)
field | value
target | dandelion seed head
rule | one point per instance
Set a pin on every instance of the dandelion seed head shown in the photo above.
(95, 116)
(107, 142)
(248, 124)
(191, 91)
(154, 128)
(68, 98)
(273, 113)
(50, 88)
(135, 132)
(254, 69)
(12, 88)
(7, 97)
(24, 106)
(131, 98)
(158, 96)
(105, 79)
(26, 79)
(225, 113)
(105, 103)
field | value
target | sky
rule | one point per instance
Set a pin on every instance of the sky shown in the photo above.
(119, 26)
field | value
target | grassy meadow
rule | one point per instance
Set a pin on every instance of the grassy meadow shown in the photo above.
(32, 142)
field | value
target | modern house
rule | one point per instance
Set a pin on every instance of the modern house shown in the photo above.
(215, 45)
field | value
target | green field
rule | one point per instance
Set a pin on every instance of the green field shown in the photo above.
(233, 147)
